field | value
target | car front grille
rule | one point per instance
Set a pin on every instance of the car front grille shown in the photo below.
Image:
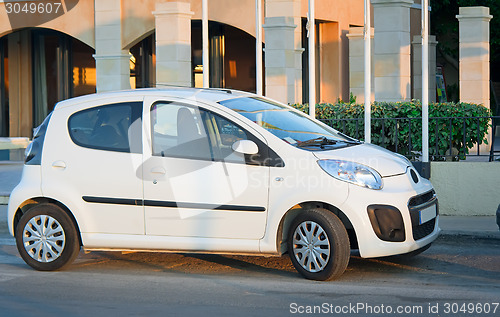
(415, 205)
(421, 199)
(423, 230)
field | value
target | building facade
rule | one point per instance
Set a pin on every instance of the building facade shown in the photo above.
(54, 50)
(92, 46)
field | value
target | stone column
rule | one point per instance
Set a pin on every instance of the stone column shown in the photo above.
(112, 62)
(173, 43)
(417, 67)
(357, 64)
(474, 54)
(283, 52)
(392, 49)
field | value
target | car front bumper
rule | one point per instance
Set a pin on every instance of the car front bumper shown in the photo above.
(400, 218)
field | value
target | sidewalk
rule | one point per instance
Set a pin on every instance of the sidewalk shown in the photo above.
(10, 175)
(482, 227)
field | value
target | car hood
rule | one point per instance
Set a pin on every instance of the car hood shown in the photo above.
(383, 161)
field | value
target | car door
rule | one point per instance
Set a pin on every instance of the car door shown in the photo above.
(93, 164)
(195, 185)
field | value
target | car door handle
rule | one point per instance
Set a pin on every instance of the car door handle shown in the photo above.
(158, 170)
(59, 164)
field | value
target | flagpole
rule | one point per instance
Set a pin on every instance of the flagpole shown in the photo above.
(367, 65)
(425, 81)
(312, 60)
(258, 46)
(205, 52)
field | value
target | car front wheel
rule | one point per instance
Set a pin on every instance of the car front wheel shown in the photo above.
(46, 238)
(318, 245)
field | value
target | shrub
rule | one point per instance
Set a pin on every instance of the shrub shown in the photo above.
(454, 128)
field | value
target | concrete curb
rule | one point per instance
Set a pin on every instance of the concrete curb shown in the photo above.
(470, 235)
(4, 199)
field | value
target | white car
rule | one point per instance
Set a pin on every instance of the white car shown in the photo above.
(212, 171)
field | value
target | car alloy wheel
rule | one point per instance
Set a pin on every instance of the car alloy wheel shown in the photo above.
(311, 246)
(318, 244)
(44, 238)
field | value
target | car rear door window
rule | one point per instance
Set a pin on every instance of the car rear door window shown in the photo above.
(113, 127)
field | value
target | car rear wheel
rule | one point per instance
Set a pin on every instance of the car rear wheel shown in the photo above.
(46, 238)
(318, 245)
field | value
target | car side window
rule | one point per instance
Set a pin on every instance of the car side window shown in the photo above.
(113, 127)
(178, 131)
(187, 131)
(224, 134)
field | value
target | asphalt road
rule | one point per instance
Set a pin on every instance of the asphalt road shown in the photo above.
(454, 272)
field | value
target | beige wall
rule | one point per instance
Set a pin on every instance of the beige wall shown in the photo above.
(466, 188)
(238, 13)
(77, 22)
(137, 21)
(346, 12)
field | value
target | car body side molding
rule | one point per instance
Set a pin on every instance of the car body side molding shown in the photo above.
(170, 204)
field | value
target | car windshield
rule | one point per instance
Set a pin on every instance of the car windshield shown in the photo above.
(287, 124)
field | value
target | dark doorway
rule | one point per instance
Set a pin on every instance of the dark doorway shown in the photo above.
(232, 57)
(142, 63)
(63, 67)
(4, 89)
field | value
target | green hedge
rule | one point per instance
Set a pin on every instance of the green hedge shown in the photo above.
(395, 134)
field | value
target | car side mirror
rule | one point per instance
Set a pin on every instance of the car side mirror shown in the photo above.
(245, 147)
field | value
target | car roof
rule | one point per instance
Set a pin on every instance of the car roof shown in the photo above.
(200, 94)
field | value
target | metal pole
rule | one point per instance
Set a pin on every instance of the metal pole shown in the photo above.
(368, 75)
(425, 81)
(258, 45)
(205, 52)
(312, 60)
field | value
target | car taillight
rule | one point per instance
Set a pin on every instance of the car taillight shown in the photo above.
(31, 151)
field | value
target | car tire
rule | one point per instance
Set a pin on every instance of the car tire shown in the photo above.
(46, 238)
(318, 245)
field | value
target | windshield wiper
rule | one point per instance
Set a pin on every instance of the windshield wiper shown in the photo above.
(321, 142)
(351, 142)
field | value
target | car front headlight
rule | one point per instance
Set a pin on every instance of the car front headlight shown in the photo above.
(353, 173)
